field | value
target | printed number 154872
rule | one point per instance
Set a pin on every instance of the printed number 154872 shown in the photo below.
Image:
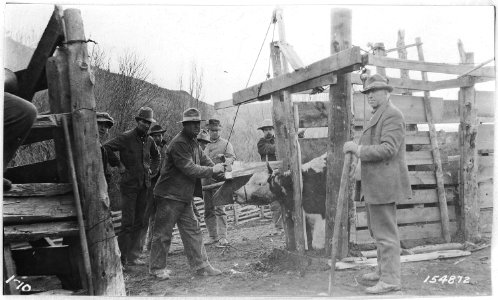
(447, 279)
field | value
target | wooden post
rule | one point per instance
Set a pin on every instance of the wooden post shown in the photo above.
(339, 131)
(443, 207)
(235, 215)
(380, 50)
(286, 137)
(468, 157)
(102, 243)
(60, 102)
(402, 53)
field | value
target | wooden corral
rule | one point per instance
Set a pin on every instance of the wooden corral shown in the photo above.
(65, 199)
(451, 193)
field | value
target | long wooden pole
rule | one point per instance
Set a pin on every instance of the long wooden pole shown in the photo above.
(443, 207)
(341, 199)
(79, 211)
(339, 129)
(102, 242)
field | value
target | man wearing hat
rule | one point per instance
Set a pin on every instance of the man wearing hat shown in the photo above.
(104, 123)
(156, 132)
(203, 138)
(185, 163)
(267, 150)
(140, 158)
(220, 151)
(384, 180)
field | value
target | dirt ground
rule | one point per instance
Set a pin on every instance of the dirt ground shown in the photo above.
(251, 268)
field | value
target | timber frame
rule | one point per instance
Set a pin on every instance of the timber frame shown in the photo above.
(63, 199)
(336, 70)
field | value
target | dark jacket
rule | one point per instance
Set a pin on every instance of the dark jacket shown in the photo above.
(138, 154)
(109, 158)
(185, 163)
(384, 173)
(267, 147)
(162, 150)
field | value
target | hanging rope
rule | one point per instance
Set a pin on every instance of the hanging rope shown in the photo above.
(250, 75)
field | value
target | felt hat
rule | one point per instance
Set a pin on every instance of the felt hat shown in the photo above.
(203, 136)
(266, 123)
(191, 115)
(156, 129)
(214, 124)
(103, 117)
(145, 113)
(376, 82)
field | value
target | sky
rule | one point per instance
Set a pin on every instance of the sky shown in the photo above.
(224, 40)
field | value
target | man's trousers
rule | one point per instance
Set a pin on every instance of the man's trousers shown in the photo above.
(383, 228)
(133, 202)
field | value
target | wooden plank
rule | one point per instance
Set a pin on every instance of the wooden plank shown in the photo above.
(33, 78)
(454, 83)
(38, 189)
(90, 173)
(422, 197)
(343, 62)
(485, 139)
(255, 167)
(486, 194)
(410, 232)
(432, 67)
(428, 177)
(486, 221)
(36, 231)
(291, 55)
(422, 249)
(37, 209)
(38, 135)
(468, 157)
(44, 171)
(223, 104)
(9, 268)
(485, 168)
(412, 108)
(412, 215)
(417, 138)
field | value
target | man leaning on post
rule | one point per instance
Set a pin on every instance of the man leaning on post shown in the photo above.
(185, 164)
(384, 181)
(140, 159)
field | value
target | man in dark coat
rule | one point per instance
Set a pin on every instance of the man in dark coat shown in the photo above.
(185, 164)
(267, 151)
(384, 180)
(141, 159)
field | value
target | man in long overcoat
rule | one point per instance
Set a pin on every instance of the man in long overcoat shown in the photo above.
(140, 158)
(384, 180)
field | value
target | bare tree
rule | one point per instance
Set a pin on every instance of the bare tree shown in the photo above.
(195, 88)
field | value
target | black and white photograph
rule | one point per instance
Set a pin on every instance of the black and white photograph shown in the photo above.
(249, 149)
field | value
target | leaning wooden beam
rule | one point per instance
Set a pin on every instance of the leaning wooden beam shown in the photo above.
(102, 243)
(33, 79)
(415, 65)
(342, 62)
(443, 207)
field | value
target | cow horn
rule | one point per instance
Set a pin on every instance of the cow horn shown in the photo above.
(270, 170)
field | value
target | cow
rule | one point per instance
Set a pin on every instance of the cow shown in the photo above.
(267, 186)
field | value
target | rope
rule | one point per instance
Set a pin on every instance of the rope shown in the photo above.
(247, 84)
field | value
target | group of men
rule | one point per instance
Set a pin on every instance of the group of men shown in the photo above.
(159, 181)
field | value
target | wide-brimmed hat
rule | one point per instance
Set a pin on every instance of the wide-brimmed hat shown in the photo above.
(156, 129)
(266, 123)
(214, 124)
(376, 82)
(145, 113)
(103, 117)
(191, 115)
(203, 136)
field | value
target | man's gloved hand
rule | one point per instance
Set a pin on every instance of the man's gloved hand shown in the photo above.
(351, 147)
(218, 168)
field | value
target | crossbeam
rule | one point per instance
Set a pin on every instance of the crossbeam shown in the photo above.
(415, 65)
(342, 62)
